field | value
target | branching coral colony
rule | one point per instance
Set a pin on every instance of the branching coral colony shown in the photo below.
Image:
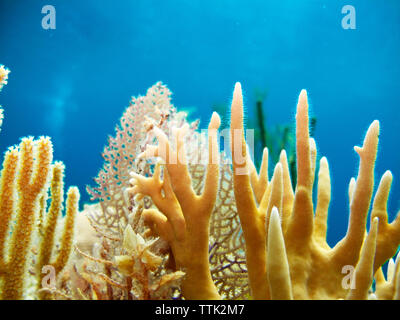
(27, 229)
(190, 224)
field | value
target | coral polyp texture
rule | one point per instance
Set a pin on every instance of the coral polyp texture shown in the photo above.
(27, 230)
(174, 217)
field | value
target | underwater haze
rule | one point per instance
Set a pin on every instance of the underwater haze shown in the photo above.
(73, 83)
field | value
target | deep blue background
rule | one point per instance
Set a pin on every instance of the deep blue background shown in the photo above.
(74, 82)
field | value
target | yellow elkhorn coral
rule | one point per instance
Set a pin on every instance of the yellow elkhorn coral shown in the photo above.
(315, 268)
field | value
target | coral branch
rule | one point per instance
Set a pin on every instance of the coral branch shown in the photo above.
(388, 233)
(7, 197)
(68, 234)
(32, 178)
(277, 263)
(303, 149)
(348, 249)
(47, 240)
(324, 197)
(364, 270)
(288, 195)
(252, 221)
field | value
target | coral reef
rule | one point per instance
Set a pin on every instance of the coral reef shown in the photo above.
(174, 217)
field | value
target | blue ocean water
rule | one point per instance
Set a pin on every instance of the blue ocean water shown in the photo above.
(73, 83)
